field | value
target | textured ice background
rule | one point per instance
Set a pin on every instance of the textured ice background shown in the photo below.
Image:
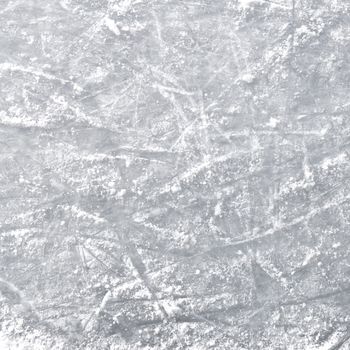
(174, 174)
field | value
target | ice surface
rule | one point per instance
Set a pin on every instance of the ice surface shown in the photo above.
(174, 174)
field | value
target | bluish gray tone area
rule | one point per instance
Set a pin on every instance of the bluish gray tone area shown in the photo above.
(174, 174)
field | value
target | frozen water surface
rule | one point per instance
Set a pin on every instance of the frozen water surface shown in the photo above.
(174, 174)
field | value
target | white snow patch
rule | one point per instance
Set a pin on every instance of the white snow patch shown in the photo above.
(111, 25)
(121, 193)
(330, 162)
(218, 209)
(307, 172)
(233, 109)
(19, 233)
(308, 257)
(85, 215)
(176, 187)
(63, 4)
(23, 121)
(273, 122)
(248, 78)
